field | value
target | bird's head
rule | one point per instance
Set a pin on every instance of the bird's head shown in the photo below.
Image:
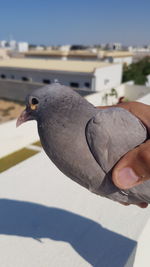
(36, 103)
(46, 101)
(31, 110)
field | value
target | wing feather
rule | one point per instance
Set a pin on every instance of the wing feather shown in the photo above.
(112, 133)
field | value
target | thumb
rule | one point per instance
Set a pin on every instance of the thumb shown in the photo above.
(133, 168)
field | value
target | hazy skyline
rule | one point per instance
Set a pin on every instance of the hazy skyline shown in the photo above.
(75, 22)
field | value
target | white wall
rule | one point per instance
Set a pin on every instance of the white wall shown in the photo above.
(103, 78)
(132, 92)
(126, 60)
(108, 77)
(22, 47)
(136, 91)
(145, 99)
(95, 99)
(40, 75)
(148, 81)
(103, 98)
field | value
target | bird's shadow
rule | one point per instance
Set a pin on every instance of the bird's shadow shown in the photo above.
(97, 245)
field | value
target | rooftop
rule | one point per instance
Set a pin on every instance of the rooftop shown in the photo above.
(80, 53)
(60, 53)
(115, 54)
(53, 65)
(48, 220)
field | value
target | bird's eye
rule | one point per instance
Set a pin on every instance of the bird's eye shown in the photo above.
(34, 103)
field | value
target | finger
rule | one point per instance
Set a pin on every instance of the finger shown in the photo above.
(142, 205)
(140, 110)
(124, 203)
(133, 168)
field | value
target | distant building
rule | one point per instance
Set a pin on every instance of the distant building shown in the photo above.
(139, 52)
(22, 47)
(117, 46)
(90, 54)
(39, 48)
(12, 44)
(91, 75)
(139, 49)
(123, 57)
(3, 53)
(63, 53)
(3, 44)
(65, 48)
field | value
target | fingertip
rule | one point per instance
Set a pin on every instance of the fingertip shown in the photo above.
(125, 178)
(143, 205)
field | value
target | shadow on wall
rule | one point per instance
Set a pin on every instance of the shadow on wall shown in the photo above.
(97, 245)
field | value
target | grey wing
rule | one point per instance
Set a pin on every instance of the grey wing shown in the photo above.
(112, 133)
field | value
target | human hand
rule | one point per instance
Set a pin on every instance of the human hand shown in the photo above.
(134, 167)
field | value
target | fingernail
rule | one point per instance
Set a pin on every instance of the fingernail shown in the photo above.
(127, 177)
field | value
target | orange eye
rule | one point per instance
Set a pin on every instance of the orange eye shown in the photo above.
(34, 103)
(33, 106)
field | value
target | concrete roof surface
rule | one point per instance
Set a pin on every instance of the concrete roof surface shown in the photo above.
(61, 53)
(48, 220)
(78, 53)
(145, 99)
(12, 139)
(115, 54)
(54, 65)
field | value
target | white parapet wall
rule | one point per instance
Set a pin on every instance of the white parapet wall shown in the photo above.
(132, 92)
(103, 98)
(126, 60)
(95, 99)
(148, 81)
(129, 91)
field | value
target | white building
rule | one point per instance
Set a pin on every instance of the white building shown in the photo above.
(116, 46)
(3, 53)
(92, 75)
(13, 44)
(123, 57)
(22, 47)
(92, 54)
(139, 49)
(65, 48)
(3, 43)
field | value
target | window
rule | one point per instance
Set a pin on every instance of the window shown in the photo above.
(46, 81)
(87, 84)
(74, 84)
(25, 79)
(3, 76)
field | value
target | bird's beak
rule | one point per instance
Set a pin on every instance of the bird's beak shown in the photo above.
(25, 116)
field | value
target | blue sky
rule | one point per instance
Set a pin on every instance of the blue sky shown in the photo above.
(75, 22)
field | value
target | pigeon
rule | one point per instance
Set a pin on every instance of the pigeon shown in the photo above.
(85, 142)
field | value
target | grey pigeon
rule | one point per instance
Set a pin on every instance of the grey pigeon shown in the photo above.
(85, 142)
